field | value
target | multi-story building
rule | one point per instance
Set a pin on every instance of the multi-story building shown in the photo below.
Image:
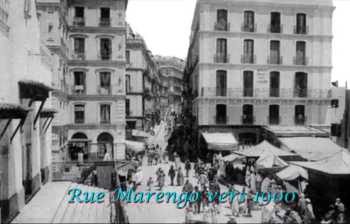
(96, 78)
(259, 62)
(173, 68)
(25, 132)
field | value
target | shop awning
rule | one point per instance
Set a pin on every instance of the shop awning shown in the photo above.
(12, 111)
(47, 113)
(268, 160)
(265, 146)
(220, 141)
(232, 158)
(34, 90)
(292, 172)
(337, 164)
(311, 148)
(135, 146)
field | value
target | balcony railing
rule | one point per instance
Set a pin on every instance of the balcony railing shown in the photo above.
(104, 90)
(222, 26)
(79, 55)
(221, 91)
(275, 28)
(301, 29)
(274, 120)
(275, 60)
(79, 21)
(79, 90)
(300, 60)
(105, 21)
(274, 92)
(79, 120)
(105, 55)
(218, 58)
(248, 119)
(298, 92)
(248, 59)
(248, 92)
(221, 119)
(286, 93)
(300, 120)
(249, 28)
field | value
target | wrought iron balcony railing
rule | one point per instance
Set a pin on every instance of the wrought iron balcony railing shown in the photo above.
(221, 58)
(275, 60)
(300, 120)
(275, 28)
(79, 21)
(300, 60)
(248, 119)
(301, 29)
(248, 59)
(274, 120)
(105, 21)
(249, 28)
(222, 26)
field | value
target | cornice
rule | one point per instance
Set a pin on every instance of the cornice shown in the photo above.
(97, 63)
(262, 101)
(96, 29)
(96, 97)
(98, 126)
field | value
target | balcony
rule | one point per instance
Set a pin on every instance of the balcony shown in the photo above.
(222, 26)
(248, 59)
(275, 60)
(221, 91)
(79, 120)
(300, 120)
(105, 21)
(275, 28)
(274, 120)
(79, 56)
(248, 119)
(248, 92)
(301, 30)
(105, 55)
(300, 60)
(274, 92)
(299, 92)
(221, 119)
(78, 89)
(218, 58)
(104, 90)
(251, 28)
(78, 21)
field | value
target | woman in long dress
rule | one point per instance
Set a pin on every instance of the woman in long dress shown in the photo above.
(180, 177)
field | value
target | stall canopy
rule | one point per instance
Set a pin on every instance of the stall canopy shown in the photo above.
(337, 164)
(135, 146)
(220, 141)
(265, 146)
(269, 160)
(311, 148)
(292, 172)
(232, 158)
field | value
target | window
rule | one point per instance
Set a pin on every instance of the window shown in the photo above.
(249, 24)
(300, 53)
(79, 12)
(79, 47)
(275, 57)
(274, 114)
(301, 24)
(105, 83)
(275, 26)
(127, 83)
(248, 83)
(131, 125)
(79, 16)
(300, 115)
(79, 114)
(127, 107)
(247, 111)
(105, 113)
(221, 115)
(221, 83)
(274, 84)
(300, 85)
(221, 23)
(221, 51)
(105, 17)
(50, 27)
(105, 48)
(335, 103)
(79, 83)
(127, 55)
(248, 51)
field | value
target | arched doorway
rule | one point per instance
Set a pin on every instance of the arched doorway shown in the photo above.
(105, 146)
(78, 144)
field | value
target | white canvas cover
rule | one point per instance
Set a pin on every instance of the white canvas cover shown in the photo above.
(337, 164)
(220, 141)
(265, 146)
(270, 160)
(292, 172)
(232, 157)
(135, 146)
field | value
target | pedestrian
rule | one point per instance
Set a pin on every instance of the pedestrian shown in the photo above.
(187, 187)
(187, 167)
(340, 210)
(150, 184)
(180, 177)
(94, 178)
(202, 180)
(253, 182)
(161, 180)
(265, 184)
(172, 174)
(197, 204)
(309, 215)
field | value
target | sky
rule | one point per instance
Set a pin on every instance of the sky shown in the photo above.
(166, 24)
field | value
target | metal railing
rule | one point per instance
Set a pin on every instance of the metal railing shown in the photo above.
(248, 59)
(301, 29)
(222, 26)
(219, 58)
(248, 92)
(79, 21)
(249, 28)
(105, 21)
(275, 60)
(104, 90)
(79, 55)
(298, 60)
(275, 28)
(221, 119)
(79, 90)
(274, 120)
(300, 120)
(266, 93)
(248, 119)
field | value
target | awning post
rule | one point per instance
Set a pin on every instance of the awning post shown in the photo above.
(48, 125)
(19, 125)
(38, 113)
(6, 126)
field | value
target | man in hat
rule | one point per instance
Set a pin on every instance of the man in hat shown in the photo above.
(340, 210)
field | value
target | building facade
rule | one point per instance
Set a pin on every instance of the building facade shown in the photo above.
(96, 78)
(172, 68)
(26, 67)
(259, 62)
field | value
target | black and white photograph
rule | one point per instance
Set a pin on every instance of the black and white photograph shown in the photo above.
(175, 111)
